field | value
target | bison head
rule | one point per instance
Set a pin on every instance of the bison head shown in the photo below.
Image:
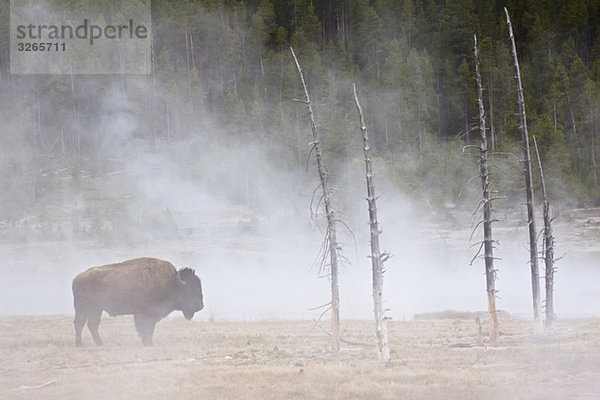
(190, 292)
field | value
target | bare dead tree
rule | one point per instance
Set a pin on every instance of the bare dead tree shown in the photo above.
(548, 248)
(331, 246)
(533, 253)
(377, 257)
(488, 243)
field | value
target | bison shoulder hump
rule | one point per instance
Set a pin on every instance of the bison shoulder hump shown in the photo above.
(144, 271)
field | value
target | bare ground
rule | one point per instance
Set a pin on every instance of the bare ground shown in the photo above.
(290, 360)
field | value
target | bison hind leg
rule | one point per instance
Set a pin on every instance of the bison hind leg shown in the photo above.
(93, 322)
(79, 322)
(145, 327)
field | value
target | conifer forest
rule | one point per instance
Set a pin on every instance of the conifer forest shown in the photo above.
(222, 75)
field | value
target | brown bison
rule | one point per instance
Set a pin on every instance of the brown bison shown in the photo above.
(148, 288)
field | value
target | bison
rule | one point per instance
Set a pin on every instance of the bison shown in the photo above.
(148, 288)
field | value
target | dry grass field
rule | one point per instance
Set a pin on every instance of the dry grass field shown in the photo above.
(432, 359)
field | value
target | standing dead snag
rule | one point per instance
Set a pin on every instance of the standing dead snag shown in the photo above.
(488, 243)
(377, 258)
(548, 247)
(331, 239)
(533, 253)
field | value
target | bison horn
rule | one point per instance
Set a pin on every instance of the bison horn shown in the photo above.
(179, 281)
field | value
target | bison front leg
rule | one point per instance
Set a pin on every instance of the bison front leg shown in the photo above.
(145, 327)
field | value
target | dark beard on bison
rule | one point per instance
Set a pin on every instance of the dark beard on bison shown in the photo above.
(188, 314)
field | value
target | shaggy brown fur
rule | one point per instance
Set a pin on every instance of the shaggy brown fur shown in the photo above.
(148, 288)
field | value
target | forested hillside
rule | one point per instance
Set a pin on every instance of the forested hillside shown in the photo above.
(223, 77)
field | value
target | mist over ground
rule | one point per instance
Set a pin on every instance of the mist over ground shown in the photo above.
(245, 226)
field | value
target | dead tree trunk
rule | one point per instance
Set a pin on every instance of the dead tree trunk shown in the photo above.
(533, 254)
(377, 258)
(548, 248)
(488, 244)
(332, 244)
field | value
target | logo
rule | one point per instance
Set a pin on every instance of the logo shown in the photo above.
(47, 38)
